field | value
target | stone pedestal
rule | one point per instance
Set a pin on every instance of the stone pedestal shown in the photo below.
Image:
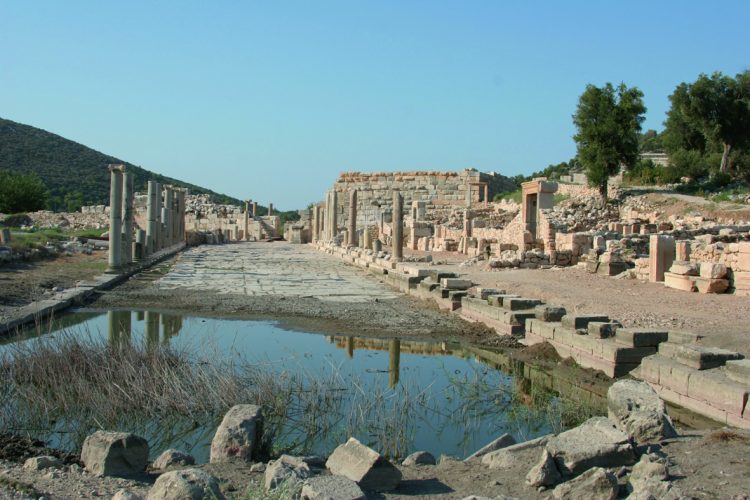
(114, 262)
(139, 247)
(398, 226)
(661, 256)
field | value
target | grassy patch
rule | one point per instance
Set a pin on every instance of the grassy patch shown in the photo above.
(22, 239)
(511, 196)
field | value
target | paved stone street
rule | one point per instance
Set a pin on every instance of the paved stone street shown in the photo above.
(267, 269)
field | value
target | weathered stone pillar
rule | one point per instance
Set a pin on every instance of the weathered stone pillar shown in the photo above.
(181, 215)
(682, 250)
(151, 219)
(314, 224)
(158, 240)
(467, 224)
(167, 216)
(333, 214)
(114, 262)
(661, 256)
(140, 245)
(486, 195)
(246, 235)
(468, 196)
(5, 236)
(352, 222)
(321, 222)
(270, 209)
(397, 222)
(255, 209)
(367, 243)
(152, 329)
(394, 362)
(127, 218)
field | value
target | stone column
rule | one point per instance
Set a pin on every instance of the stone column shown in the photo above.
(152, 329)
(140, 245)
(166, 215)
(486, 195)
(366, 237)
(314, 228)
(333, 214)
(159, 239)
(127, 218)
(467, 224)
(661, 256)
(397, 222)
(321, 222)
(114, 263)
(468, 196)
(245, 235)
(255, 209)
(270, 209)
(181, 215)
(683, 250)
(394, 362)
(151, 218)
(352, 223)
(175, 215)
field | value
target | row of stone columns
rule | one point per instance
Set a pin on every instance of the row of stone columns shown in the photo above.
(165, 219)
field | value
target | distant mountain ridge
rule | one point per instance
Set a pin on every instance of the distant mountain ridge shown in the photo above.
(72, 171)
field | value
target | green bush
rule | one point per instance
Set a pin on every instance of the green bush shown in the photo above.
(21, 193)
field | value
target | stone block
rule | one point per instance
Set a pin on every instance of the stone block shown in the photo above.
(185, 484)
(331, 487)
(617, 353)
(546, 330)
(549, 313)
(678, 282)
(640, 337)
(674, 375)
(114, 454)
(581, 321)
(738, 370)
(713, 270)
(701, 357)
(649, 369)
(719, 391)
(455, 283)
(684, 268)
(484, 293)
(595, 443)
(520, 303)
(681, 337)
(744, 247)
(743, 262)
(363, 465)
(238, 437)
(499, 299)
(638, 411)
(706, 285)
(602, 329)
(596, 483)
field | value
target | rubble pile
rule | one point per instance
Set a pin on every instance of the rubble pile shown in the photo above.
(45, 219)
(583, 214)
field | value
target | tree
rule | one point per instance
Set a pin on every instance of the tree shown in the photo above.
(608, 120)
(711, 110)
(21, 193)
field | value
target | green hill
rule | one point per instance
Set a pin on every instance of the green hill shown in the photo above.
(73, 173)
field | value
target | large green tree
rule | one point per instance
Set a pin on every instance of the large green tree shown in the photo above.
(608, 120)
(21, 193)
(712, 113)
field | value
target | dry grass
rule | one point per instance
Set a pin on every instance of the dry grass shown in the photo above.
(725, 436)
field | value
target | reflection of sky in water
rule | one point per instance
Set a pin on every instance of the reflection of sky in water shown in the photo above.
(413, 367)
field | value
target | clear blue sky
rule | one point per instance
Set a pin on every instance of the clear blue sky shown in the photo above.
(271, 100)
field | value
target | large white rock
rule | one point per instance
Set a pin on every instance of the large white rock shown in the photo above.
(594, 483)
(544, 473)
(238, 437)
(331, 488)
(185, 484)
(286, 468)
(114, 454)
(363, 465)
(595, 443)
(638, 411)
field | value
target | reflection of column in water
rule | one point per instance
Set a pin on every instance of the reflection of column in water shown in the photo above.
(394, 360)
(119, 327)
(139, 315)
(350, 347)
(172, 325)
(152, 329)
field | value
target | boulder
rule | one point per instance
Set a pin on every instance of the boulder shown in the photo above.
(238, 437)
(331, 488)
(650, 479)
(544, 473)
(507, 457)
(114, 454)
(123, 494)
(419, 458)
(594, 483)
(41, 463)
(185, 484)
(595, 443)
(503, 441)
(172, 457)
(365, 466)
(637, 410)
(285, 469)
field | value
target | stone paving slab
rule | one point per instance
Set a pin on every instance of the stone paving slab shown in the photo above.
(275, 269)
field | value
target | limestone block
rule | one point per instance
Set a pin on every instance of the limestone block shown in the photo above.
(544, 473)
(114, 454)
(581, 321)
(365, 466)
(739, 370)
(520, 303)
(185, 484)
(484, 293)
(455, 283)
(719, 391)
(594, 483)
(637, 410)
(639, 337)
(602, 329)
(707, 285)
(172, 457)
(238, 437)
(684, 268)
(713, 270)
(285, 469)
(681, 337)
(330, 487)
(499, 299)
(744, 247)
(549, 313)
(496, 444)
(649, 369)
(698, 357)
(419, 458)
(679, 282)
(595, 443)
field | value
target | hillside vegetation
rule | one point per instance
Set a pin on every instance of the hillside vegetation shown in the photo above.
(74, 174)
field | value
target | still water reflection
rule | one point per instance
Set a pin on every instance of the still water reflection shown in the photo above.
(459, 398)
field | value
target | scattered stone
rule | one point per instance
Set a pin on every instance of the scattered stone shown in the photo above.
(650, 479)
(238, 437)
(114, 454)
(594, 483)
(649, 468)
(171, 458)
(259, 467)
(285, 469)
(544, 473)
(595, 443)
(549, 313)
(507, 457)
(185, 484)
(363, 465)
(331, 487)
(502, 442)
(41, 463)
(123, 494)
(419, 458)
(637, 410)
